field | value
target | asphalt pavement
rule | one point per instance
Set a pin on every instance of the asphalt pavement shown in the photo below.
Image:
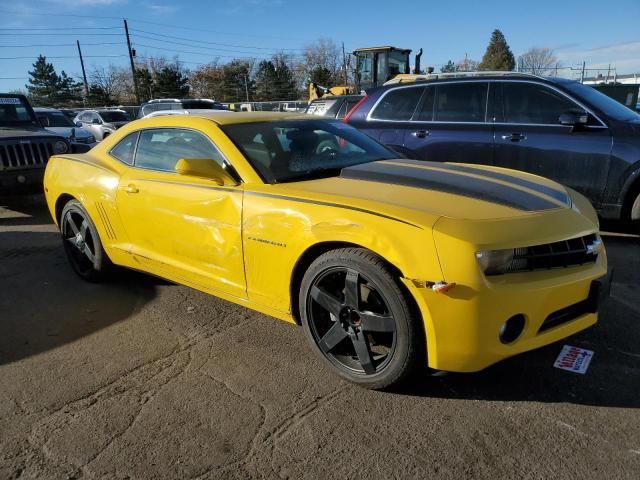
(141, 378)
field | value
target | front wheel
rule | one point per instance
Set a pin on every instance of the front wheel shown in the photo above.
(82, 243)
(359, 320)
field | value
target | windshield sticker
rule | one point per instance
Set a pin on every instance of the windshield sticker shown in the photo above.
(574, 359)
(10, 101)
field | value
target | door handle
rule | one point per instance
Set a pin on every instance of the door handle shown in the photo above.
(514, 137)
(420, 133)
(131, 189)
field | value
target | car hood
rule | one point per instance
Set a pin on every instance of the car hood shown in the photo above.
(66, 131)
(22, 132)
(409, 189)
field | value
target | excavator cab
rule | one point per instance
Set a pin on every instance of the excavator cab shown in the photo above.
(376, 65)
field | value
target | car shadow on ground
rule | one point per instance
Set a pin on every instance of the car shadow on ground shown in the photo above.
(24, 210)
(44, 305)
(613, 378)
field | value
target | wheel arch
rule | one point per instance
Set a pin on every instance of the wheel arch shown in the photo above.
(631, 208)
(309, 255)
(61, 201)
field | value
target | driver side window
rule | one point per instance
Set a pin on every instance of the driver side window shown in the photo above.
(531, 103)
(161, 148)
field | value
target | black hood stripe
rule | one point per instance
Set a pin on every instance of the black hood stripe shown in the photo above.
(448, 182)
(559, 195)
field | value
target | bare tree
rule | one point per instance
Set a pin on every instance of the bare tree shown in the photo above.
(323, 55)
(466, 65)
(105, 80)
(538, 61)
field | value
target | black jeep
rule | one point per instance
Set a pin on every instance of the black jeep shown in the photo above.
(25, 146)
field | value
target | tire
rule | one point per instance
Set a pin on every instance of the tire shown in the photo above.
(359, 320)
(82, 243)
(634, 215)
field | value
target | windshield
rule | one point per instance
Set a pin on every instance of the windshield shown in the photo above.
(54, 119)
(13, 110)
(283, 151)
(114, 116)
(599, 100)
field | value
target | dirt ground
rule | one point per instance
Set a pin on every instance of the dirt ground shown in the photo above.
(140, 378)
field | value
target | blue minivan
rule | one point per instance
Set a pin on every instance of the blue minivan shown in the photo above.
(552, 127)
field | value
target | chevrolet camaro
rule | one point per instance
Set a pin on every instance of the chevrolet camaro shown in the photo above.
(388, 264)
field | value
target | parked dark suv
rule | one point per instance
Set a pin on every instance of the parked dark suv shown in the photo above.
(552, 127)
(333, 106)
(25, 146)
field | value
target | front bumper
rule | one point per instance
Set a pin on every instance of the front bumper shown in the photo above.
(463, 325)
(19, 181)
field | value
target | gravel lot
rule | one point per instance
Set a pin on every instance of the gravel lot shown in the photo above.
(140, 378)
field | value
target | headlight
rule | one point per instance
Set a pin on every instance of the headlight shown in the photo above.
(495, 262)
(60, 147)
(91, 139)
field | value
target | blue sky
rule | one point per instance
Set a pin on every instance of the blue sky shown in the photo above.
(598, 32)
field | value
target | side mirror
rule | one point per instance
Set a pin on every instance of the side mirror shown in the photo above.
(205, 168)
(78, 124)
(574, 118)
(96, 121)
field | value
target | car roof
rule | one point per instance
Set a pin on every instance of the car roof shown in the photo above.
(223, 117)
(474, 77)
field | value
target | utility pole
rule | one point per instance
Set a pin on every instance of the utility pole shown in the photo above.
(584, 64)
(84, 73)
(246, 86)
(133, 67)
(344, 65)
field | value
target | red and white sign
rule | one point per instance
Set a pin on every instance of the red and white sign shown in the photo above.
(574, 359)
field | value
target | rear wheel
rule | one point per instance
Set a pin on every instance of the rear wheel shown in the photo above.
(359, 320)
(82, 243)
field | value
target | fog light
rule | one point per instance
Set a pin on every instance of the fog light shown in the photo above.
(511, 329)
(21, 179)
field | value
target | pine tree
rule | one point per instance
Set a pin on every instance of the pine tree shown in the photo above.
(449, 67)
(321, 76)
(237, 85)
(266, 81)
(43, 84)
(68, 91)
(498, 55)
(146, 86)
(171, 83)
(285, 83)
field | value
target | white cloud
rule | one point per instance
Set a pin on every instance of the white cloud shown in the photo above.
(161, 9)
(624, 56)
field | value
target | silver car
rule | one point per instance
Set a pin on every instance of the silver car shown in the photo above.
(57, 122)
(102, 123)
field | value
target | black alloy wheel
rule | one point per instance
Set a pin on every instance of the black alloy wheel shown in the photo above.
(358, 318)
(82, 243)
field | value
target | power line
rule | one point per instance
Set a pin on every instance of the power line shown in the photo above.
(61, 34)
(57, 28)
(208, 43)
(208, 49)
(172, 26)
(58, 45)
(64, 56)
(186, 51)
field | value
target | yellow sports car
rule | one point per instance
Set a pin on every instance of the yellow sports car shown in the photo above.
(387, 263)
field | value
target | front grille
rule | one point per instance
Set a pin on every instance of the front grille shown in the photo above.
(17, 153)
(564, 315)
(567, 253)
